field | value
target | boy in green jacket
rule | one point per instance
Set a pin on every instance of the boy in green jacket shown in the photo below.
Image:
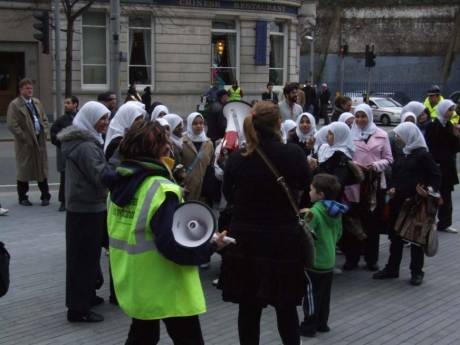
(326, 222)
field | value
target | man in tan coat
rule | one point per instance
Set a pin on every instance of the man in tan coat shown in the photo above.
(27, 121)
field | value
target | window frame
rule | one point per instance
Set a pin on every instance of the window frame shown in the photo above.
(107, 55)
(141, 87)
(237, 32)
(283, 34)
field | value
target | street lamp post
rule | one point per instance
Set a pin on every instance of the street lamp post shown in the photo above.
(312, 57)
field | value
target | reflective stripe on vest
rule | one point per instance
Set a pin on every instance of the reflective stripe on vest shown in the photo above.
(142, 244)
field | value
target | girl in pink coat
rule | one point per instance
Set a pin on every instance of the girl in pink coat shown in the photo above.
(373, 155)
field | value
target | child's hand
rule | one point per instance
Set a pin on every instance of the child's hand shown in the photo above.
(307, 214)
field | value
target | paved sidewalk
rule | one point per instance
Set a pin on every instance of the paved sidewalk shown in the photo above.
(363, 311)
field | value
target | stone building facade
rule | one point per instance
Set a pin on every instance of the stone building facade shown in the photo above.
(177, 47)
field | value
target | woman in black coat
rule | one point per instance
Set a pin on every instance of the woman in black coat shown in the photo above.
(443, 140)
(413, 172)
(265, 267)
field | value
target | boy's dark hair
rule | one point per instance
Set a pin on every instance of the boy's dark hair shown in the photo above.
(104, 97)
(269, 84)
(327, 184)
(290, 87)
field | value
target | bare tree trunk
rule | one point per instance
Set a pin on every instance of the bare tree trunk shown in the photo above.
(69, 58)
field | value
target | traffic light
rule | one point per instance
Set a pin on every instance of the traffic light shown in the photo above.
(43, 28)
(370, 56)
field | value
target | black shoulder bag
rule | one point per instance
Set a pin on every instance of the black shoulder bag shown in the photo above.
(4, 270)
(306, 234)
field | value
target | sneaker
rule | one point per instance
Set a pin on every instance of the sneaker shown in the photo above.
(205, 265)
(215, 282)
(3, 211)
(337, 270)
(384, 274)
(307, 330)
(25, 202)
(75, 316)
(450, 230)
(416, 279)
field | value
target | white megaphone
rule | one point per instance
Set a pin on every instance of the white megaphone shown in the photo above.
(194, 224)
(235, 113)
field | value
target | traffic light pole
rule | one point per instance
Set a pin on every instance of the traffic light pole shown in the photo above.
(368, 91)
(57, 59)
(115, 48)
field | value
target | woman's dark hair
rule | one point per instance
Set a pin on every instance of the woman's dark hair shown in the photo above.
(264, 120)
(341, 100)
(143, 139)
(327, 184)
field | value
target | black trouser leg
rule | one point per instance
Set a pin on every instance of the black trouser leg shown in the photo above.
(396, 251)
(61, 196)
(83, 250)
(288, 325)
(44, 189)
(184, 330)
(417, 258)
(23, 188)
(371, 225)
(143, 332)
(445, 210)
(321, 284)
(249, 324)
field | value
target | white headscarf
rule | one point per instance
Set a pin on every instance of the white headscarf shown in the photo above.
(407, 114)
(342, 142)
(320, 137)
(158, 110)
(303, 138)
(88, 116)
(411, 135)
(344, 117)
(174, 120)
(442, 109)
(196, 138)
(286, 126)
(414, 107)
(162, 122)
(123, 120)
(362, 134)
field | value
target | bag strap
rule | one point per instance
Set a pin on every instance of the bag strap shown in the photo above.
(279, 179)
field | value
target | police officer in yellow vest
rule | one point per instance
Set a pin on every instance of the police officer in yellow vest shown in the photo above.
(154, 277)
(235, 93)
(431, 103)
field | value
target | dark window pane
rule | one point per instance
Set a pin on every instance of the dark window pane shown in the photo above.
(140, 21)
(276, 76)
(94, 75)
(276, 51)
(140, 47)
(224, 76)
(94, 18)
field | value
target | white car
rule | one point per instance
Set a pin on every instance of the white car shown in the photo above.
(386, 110)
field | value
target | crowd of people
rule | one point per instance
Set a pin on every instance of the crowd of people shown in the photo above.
(125, 170)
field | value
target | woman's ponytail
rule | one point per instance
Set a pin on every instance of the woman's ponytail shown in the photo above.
(251, 135)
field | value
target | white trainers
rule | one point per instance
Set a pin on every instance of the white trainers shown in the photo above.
(451, 230)
(3, 211)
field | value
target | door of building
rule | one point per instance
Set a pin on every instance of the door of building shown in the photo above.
(12, 66)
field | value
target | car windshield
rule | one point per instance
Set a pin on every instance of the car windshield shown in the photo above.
(386, 102)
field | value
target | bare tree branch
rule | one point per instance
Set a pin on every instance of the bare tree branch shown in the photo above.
(83, 9)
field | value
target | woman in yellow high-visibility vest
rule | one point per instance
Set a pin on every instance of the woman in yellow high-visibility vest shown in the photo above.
(154, 277)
